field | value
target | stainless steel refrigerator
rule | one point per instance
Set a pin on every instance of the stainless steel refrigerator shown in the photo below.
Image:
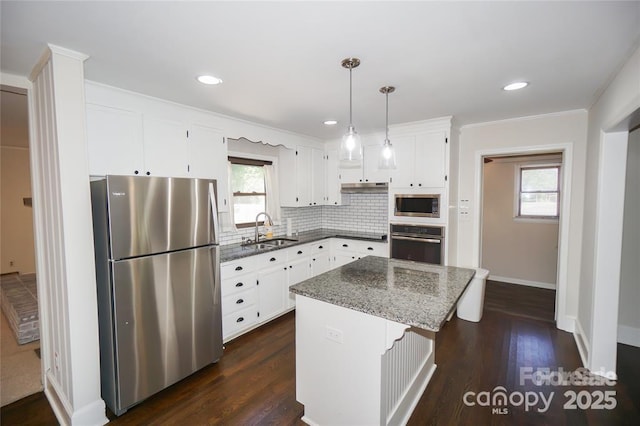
(158, 277)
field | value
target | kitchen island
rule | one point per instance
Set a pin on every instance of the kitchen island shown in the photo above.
(365, 338)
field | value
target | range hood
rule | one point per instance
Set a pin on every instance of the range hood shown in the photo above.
(365, 188)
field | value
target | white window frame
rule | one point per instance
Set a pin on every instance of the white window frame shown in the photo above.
(517, 192)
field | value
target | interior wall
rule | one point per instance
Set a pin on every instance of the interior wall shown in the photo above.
(16, 224)
(515, 250)
(620, 99)
(628, 314)
(531, 134)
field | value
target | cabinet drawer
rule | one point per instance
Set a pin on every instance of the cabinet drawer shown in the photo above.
(238, 301)
(321, 247)
(373, 249)
(299, 251)
(238, 321)
(270, 259)
(237, 284)
(237, 267)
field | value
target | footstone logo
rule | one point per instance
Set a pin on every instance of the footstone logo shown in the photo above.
(499, 399)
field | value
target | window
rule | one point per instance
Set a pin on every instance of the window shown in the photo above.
(539, 192)
(248, 187)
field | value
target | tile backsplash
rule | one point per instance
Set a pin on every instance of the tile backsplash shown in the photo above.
(364, 213)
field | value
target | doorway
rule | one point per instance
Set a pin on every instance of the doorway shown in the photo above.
(20, 346)
(521, 199)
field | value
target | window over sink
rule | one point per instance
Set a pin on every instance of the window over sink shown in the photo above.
(249, 189)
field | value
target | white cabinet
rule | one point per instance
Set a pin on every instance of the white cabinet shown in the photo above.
(298, 269)
(165, 147)
(421, 160)
(208, 160)
(239, 297)
(114, 139)
(320, 257)
(271, 283)
(333, 196)
(344, 251)
(318, 172)
(369, 172)
(301, 177)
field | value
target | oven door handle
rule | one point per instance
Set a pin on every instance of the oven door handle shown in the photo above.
(423, 240)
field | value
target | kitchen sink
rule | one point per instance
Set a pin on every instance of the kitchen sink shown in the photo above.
(278, 241)
(275, 242)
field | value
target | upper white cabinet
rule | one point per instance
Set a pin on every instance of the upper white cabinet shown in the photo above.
(114, 141)
(165, 147)
(208, 159)
(369, 172)
(421, 160)
(301, 177)
(333, 196)
(125, 142)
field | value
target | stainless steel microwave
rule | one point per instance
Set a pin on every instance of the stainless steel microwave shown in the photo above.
(417, 205)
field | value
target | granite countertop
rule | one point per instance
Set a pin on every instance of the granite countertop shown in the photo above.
(417, 294)
(237, 251)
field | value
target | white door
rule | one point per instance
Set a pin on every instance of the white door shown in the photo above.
(165, 147)
(299, 270)
(405, 159)
(317, 177)
(333, 197)
(208, 159)
(114, 139)
(430, 160)
(271, 284)
(303, 175)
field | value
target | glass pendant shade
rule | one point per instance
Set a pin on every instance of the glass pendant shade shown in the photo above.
(351, 149)
(387, 159)
(351, 146)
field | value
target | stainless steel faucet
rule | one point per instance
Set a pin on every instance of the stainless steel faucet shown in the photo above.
(266, 215)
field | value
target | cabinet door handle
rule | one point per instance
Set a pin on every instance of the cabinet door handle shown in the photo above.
(239, 284)
(148, 173)
(419, 184)
(135, 172)
(299, 251)
(240, 319)
(320, 247)
(369, 248)
(410, 184)
(273, 259)
(345, 245)
(238, 268)
(239, 301)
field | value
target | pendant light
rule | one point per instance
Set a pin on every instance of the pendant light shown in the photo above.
(387, 158)
(351, 146)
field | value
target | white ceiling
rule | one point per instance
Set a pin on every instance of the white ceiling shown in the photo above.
(280, 61)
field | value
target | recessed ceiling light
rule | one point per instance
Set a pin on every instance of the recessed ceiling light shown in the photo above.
(209, 79)
(515, 86)
(331, 122)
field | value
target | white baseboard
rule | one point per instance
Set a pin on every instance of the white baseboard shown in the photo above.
(629, 335)
(582, 342)
(538, 284)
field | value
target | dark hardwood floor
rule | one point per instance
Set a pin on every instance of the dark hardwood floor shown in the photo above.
(514, 299)
(254, 383)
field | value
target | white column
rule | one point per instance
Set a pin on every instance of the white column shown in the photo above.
(64, 239)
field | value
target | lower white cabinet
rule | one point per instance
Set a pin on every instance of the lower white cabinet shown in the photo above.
(320, 257)
(271, 283)
(255, 289)
(299, 270)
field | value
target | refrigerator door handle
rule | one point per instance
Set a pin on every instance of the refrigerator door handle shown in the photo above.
(214, 213)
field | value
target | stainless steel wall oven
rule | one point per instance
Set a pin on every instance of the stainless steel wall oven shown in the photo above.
(417, 242)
